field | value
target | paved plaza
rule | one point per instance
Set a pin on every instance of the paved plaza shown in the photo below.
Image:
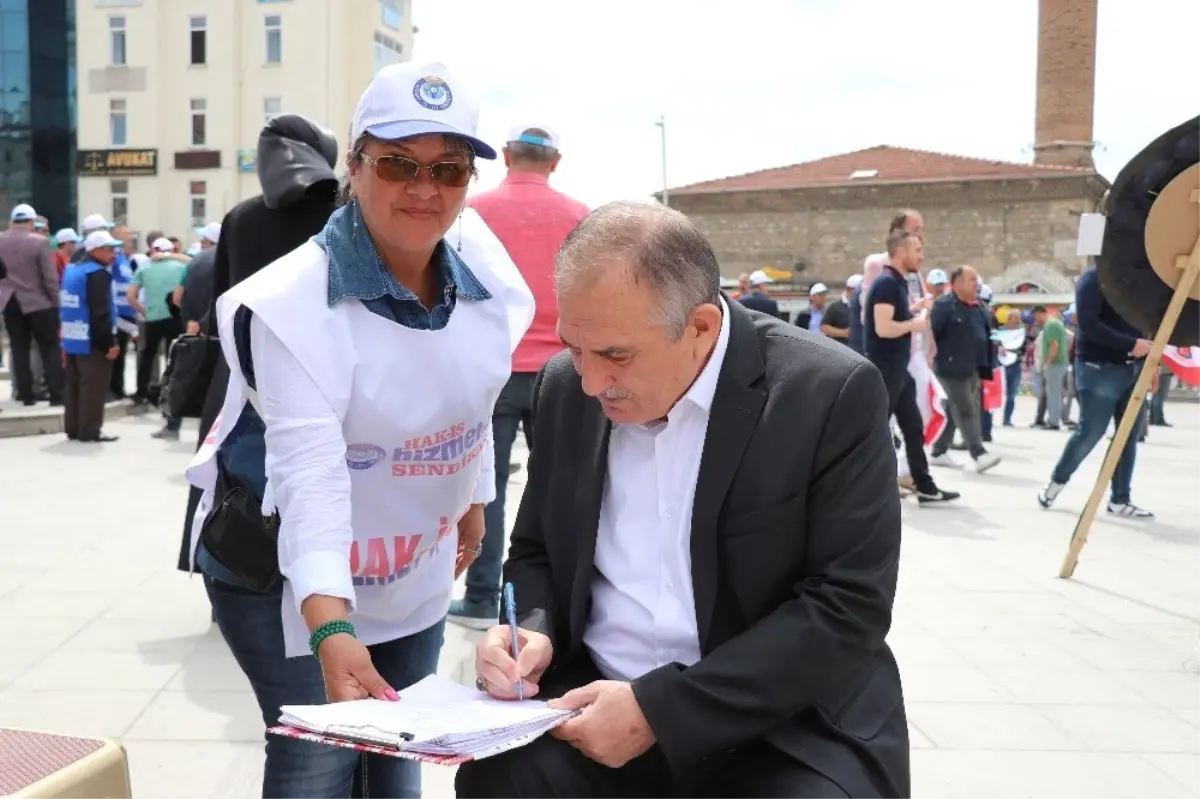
(1017, 683)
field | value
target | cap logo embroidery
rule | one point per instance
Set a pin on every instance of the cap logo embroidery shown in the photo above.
(433, 93)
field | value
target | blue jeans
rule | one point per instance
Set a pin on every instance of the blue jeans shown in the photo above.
(252, 625)
(1103, 390)
(1012, 384)
(514, 408)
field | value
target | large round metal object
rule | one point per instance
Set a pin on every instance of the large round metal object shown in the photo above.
(1151, 222)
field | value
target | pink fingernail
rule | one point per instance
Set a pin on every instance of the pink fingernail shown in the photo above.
(392, 695)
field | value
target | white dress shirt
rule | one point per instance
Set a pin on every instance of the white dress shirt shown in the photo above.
(643, 609)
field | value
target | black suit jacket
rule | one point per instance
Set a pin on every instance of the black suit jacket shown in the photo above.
(795, 548)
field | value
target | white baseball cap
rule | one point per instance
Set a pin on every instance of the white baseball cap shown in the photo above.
(95, 222)
(98, 239)
(162, 245)
(65, 235)
(210, 232)
(818, 288)
(854, 281)
(759, 277)
(985, 292)
(937, 277)
(23, 213)
(405, 100)
(525, 135)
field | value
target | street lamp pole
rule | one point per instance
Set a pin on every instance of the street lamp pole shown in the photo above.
(666, 193)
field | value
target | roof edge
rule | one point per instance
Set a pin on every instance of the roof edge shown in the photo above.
(685, 190)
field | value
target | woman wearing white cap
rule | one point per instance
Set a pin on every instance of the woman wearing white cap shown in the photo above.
(372, 356)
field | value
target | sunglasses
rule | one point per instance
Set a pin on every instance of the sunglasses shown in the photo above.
(398, 169)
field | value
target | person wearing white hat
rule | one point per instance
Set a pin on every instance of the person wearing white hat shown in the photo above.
(29, 301)
(812, 317)
(89, 320)
(151, 293)
(372, 356)
(756, 298)
(853, 299)
(532, 154)
(64, 242)
(937, 282)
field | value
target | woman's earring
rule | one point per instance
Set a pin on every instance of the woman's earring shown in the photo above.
(459, 247)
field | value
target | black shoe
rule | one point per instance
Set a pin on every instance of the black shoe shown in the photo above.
(986, 439)
(932, 494)
(29, 403)
(1051, 427)
(56, 403)
(167, 434)
(100, 439)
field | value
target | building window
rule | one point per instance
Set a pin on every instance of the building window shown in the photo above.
(274, 26)
(393, 16)
(387, 51)
(272, 107)
(119, 189)
(199, 40)
(118, 133)
(199, 190)
(199, 115)
(116, 38)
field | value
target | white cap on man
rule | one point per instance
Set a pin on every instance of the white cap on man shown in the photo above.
(98, 239)
(410, 99)
(818, 288)
(162, 245)
(854, 281)
(937, 277)
(66, 235)
(210, 232)
(95, 222)
(539, 135)
(23, 213)
(759, 278)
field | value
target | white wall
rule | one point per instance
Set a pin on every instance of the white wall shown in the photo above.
(328, 56)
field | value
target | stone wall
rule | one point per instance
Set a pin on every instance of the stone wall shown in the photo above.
(1025, 226)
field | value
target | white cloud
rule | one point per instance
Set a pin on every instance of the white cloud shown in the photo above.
(766, 83)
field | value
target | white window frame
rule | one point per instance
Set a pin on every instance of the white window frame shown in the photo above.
(272, 107)
(118, 41)
(201, 197)
(118, 189)
(118, 109)
(273, 29)
(197, 23)
(199, 110)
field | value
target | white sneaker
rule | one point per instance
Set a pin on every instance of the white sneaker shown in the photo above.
(986, 461)
(1049, 493)
(1129, 510)
(946, 461)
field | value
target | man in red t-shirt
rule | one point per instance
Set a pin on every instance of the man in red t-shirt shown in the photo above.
(531, 220)
(64, 242)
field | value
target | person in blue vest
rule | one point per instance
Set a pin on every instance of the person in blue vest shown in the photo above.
(89, 317)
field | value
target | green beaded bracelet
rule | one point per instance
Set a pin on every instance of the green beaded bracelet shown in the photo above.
(327, 629)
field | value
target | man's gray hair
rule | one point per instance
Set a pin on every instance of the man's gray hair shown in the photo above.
(660, 248)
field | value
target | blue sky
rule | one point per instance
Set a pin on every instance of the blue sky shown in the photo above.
(766, 83)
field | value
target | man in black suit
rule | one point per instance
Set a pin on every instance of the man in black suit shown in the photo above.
(713, 596)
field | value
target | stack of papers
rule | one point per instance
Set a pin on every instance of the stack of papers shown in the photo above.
(436, 720)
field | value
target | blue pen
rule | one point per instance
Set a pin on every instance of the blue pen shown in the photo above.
(510, 604)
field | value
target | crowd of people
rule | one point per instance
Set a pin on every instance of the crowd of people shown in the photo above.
(941, 327)
(75, 302)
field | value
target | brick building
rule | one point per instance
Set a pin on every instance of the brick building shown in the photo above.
(1016, 223)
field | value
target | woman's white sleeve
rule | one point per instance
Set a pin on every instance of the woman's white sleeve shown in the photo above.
(306, 464)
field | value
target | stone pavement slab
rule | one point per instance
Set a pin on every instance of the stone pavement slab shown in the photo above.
(1017, 683)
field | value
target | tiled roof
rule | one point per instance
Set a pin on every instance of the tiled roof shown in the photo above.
(882, 164)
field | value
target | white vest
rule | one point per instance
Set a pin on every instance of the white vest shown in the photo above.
(415, 407)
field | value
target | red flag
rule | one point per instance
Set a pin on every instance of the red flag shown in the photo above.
(1184, 363)
(993, 391)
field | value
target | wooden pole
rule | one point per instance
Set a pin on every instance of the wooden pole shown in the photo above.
(1191, 269)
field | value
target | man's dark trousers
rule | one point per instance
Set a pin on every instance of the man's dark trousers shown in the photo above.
(87, 391)
(117, 382)
(158, 333)
(902, 404)
(963, 397)
(513, 408)
(23, 331)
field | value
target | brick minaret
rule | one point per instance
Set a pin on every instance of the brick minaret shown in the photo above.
(1066, 81)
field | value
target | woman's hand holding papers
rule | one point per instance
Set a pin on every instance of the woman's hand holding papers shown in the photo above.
(348, 671)
(494, 662)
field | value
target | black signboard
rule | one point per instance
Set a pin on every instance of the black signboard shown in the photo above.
(117, 163)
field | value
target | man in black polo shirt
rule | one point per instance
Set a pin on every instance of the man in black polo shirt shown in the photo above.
(1108, 359)
(888, 327)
